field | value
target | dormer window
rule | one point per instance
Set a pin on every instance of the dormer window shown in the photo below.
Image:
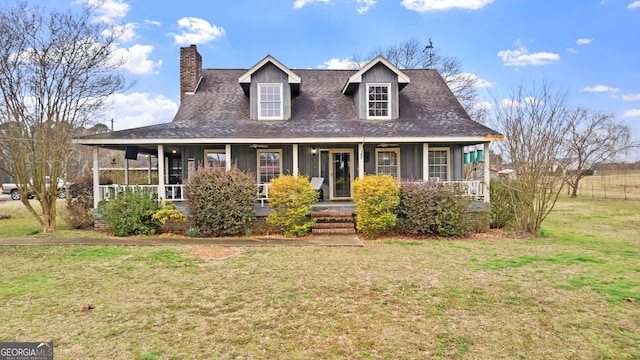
(376, 90)
(270, 102)
(270, 87)
(379, 100)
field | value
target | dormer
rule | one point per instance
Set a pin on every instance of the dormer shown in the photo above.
(270, 87)
(375, 89)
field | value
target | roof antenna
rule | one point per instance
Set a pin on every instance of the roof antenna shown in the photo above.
(429, 50)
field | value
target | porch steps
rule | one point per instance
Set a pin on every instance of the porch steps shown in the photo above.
(333, 222)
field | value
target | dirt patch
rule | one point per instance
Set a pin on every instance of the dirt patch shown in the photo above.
(2, 216)
(215, 253)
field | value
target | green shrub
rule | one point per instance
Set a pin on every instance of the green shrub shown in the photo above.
(220, 202)
(376, 197)
(450, 213)
(502, 212)
(290, 201)
(432, 207)
(130, 212)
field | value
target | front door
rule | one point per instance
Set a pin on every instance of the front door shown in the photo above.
(340, 174)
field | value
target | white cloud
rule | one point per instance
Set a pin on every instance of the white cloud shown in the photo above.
(584, 41)
(572, 50)
(522, 57)
(126, 32)
(600, 88)
(108, 11)
(299, 4)
(631, 113)
(140, 109)
(514, 103)
(196, 31)
(433, 5)
(483, 105)
(510, 103)
(152, 22)
(631, 97)
(137, 59)
(340, 64)
(365, 5)
(633, 5)
(462, 79)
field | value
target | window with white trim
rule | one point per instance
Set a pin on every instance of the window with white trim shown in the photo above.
(269, 165)
(379, 101)
(388, 162)
(215, 159)
(270, 102)
(439, 163)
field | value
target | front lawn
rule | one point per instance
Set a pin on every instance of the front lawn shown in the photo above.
(566, 295)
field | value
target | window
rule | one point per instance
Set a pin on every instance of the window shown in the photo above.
(215, 159)
(378, 104)
(388, 162)
(439, 164)
(269, 165)
(270, 102)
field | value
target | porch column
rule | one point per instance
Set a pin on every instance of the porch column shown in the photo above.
(161, 172)
(149, 170)
(126, 171)
(487, 172)
(296, 168)
(425, 162)
(361, 161)
(227, 156)
(96, 178)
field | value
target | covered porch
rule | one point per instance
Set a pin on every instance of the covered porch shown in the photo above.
(338, 162)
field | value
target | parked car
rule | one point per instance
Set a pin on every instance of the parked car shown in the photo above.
(12, 189)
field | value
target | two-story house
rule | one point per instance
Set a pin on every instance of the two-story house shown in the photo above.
(335, 125)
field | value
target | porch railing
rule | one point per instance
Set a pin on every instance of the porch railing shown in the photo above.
(471, 188)
(171, 192)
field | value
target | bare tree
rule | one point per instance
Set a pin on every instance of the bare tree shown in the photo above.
(56, 71)
(533, 122)
(592, 139)
(411, 54)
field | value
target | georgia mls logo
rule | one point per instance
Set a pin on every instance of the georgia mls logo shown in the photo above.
(26, 351)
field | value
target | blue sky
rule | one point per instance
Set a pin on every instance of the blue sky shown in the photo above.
(590, 47)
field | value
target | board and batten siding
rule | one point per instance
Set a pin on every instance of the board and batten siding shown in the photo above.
(270, 73)
(378, 74)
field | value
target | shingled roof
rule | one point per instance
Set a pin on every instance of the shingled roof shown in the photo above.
(219, 109)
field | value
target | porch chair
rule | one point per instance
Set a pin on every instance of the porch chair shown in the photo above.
(316, 184)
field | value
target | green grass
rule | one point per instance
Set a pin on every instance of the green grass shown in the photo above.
(22, 223)
(557, 297)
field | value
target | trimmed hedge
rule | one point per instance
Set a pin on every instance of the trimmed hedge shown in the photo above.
(290, 201)
(220, 202)
(432, 207)
(376, 197)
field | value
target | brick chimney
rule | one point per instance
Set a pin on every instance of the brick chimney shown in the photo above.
(190, 69)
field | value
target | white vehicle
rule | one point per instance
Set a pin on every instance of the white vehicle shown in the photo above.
(12, 189)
